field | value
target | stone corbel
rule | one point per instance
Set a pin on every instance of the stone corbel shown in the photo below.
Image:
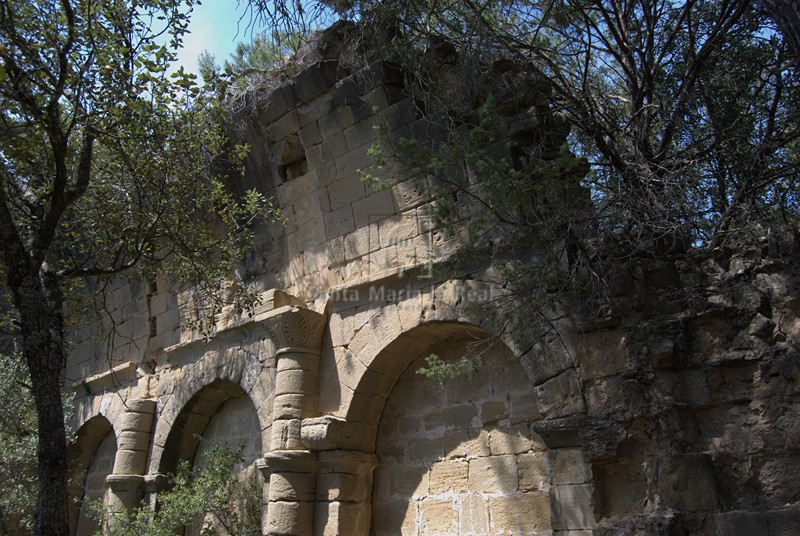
(329, 432)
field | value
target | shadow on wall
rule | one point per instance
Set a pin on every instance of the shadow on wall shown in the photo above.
(91, 460)
(220, 412)
(462, 459)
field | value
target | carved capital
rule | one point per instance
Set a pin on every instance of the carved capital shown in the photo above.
(297, 329)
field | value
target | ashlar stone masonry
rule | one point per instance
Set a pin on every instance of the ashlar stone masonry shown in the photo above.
(676, 413)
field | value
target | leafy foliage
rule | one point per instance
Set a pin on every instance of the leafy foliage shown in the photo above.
(686, 110)
(249, 64)
(441, 371)
(209, 496)
(108, 164)
(18, 439)
(680, 120)
(17, 447)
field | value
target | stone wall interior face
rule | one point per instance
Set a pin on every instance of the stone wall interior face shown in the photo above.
(95, 485)
(676, 413)
(462, 459)
(235, 424)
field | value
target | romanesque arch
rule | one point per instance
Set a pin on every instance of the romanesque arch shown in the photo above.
(200, 411)
(91, 460)
(200, 388)
(469, 462)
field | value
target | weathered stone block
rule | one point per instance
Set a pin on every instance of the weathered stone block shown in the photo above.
(686, 482)
(740, 524)
(474, 516)
(310, 112)
(361, 109)
(439, 517)
(355, 161)
(374, 208)
(285, 435)
(573, 507)
(336, 122)
(546, 361)
(339, 222)
(403, 482)
(783, 522)
(449, 476)
(275, 104)
(351, 518)
(425, 449)
(345, 90)
(525, 513)
(296, 381)
(285, 126)
(570, 467)
(398, 228)
(400, 114)
(287, 361)
(511, 440)
(363, 133)
(493, 474)
(306, 208)
(602, 353)
(561, 396)
(533, 472)
(524, 408)
(346, 191)
(478, 445)
(292, 486)
(314, 80)
(290, 518)
(133, 440)
(130, 462)
(393, 518)
(411, 193)
(365, 408)
(350, 369)
(331, 149)
(362, 241)
(348, 487)
(375, 384)
(493, 411)
(451, 417)
(289, 406)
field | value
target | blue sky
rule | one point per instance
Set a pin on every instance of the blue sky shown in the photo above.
(213, 27)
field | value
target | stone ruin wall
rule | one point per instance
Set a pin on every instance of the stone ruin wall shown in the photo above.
(677, 413)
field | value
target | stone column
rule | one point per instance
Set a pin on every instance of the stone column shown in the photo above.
(126, 482)
(297, 333)
(344, 492)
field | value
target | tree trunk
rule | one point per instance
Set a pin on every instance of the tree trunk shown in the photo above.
(40, 304)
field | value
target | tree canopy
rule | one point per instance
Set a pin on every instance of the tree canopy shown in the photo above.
(682, 118)
(109, 162)
(686, 111)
